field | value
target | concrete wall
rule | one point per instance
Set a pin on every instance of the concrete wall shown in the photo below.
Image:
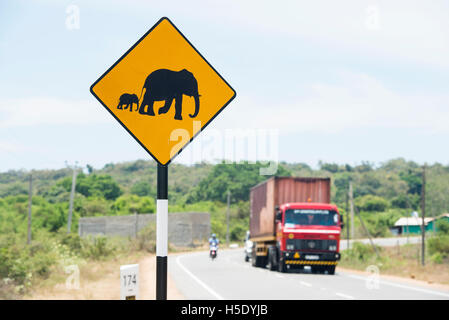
(184, 229)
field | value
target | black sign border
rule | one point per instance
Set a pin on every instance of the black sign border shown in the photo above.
(125, 54)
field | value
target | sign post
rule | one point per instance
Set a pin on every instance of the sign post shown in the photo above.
(161, 232)
(164, 93)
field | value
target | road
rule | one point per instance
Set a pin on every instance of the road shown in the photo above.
(229, 277)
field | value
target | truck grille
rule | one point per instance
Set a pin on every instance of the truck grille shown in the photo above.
(308, 244)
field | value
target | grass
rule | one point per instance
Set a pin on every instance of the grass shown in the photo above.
(403, 261)
(96, 260)
(92, 274)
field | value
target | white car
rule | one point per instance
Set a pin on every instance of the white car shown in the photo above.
(248, 247)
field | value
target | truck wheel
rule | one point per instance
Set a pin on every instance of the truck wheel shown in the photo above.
(281, 266)
(261, 262)
(272, 259)
(257, 261)
(331, 270)
(253, 258)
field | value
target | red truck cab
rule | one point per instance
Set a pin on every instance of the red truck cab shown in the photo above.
(307, 234)
(293, 224)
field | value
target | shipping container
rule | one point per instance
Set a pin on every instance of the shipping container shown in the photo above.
(280, 190)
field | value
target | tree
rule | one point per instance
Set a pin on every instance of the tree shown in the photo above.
(237, 178)
(413, 179)
(90, 169)
(364, 167)
(372, 203)
(100, 185)
(442, 226)
(142, 188)
(401, 201)
(331, 167)
(14, 190)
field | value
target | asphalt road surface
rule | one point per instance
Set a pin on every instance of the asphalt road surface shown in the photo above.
(230, 277)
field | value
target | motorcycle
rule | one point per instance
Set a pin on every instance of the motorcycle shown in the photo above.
(213, 252)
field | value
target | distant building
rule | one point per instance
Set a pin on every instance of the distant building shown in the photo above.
(412, 225)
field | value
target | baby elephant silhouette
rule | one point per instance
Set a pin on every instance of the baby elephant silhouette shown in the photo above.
(128, 100)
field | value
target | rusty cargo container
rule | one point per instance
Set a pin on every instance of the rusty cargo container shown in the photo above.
(279, 190)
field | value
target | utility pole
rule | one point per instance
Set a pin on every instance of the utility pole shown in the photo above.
(136, 224)
(423, 209)
(347, 220)
(227, 218)
(351, 203)
(72, 195)
(367, 232)
(30, 196)
(407, 229)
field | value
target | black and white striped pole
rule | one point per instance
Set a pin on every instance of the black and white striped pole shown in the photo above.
(161, 232)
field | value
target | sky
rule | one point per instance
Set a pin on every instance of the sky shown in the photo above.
(342, 82)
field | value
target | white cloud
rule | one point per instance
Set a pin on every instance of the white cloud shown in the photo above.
(409, 30)
(50, 111)
(7, 147)
(358, 101)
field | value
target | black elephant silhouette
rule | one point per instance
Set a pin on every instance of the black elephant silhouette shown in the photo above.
(128, 100)
(168, 85)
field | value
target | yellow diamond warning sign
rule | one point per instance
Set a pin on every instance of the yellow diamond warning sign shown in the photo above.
(163, 91)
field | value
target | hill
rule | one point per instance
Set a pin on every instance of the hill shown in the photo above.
(382, 193)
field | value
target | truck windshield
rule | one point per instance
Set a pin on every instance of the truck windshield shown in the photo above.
(311, 217)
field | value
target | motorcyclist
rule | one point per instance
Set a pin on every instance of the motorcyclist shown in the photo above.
(213, 242)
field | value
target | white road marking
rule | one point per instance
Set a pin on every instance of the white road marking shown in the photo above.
(400, 286)
(277, 275)
(201, 283)
(344, 295)
(305, 284)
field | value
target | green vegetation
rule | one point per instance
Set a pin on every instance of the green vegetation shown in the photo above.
(438, 246)
(382, 194)
(404, 261)
(21, 265)
(361, 255)
(237, 178)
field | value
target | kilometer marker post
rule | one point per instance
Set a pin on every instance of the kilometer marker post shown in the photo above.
(161, 232)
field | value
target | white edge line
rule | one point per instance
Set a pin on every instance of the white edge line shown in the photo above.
(305, 283)
(201, 283)
(344, 295)
(401, 286)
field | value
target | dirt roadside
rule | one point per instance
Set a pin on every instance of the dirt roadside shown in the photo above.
(100, 281)
(404, 280)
